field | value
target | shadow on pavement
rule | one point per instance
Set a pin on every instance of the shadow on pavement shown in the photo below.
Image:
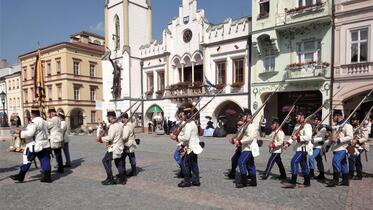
(13, 168)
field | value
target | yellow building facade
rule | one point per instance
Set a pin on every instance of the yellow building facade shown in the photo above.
(73, 78)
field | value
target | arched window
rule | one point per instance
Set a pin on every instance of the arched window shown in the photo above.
(116, 36)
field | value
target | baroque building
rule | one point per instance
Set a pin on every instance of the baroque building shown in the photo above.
(291, 52)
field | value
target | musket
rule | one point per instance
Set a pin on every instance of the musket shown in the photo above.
(240, 134)
(133, 113)
(122, 115)
(284, 121)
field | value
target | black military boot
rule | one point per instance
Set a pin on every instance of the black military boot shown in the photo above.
(345, 181)
(242, 181)
(231, 174)
(292, 184)
(312, 173)
(133, 171)
(321, 176)
(252, 182)
(109, 180)
(185, 183)
(351, 174)
(19, 177)
(335, 180)
(122, 179)
(359, 176)
(307, 181)
(46, 177)
(60, 170)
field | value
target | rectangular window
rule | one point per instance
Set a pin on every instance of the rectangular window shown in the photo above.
(263, 8)
(59, 91)
(76, 93)
(25, 74)
(92, 94)
(58, 63)
(221, 73)
(309, 52)
(93, 116)
(92, 70)
(304, 3)
(269, 61)
(17, 83)
(25, 95)
(238, 66)
(18, 102)
(161, 80)
(359, 45)
(32, 94)
(50, 93)
(49, 69)
(32, 72)
(76, 67)
(150, 82)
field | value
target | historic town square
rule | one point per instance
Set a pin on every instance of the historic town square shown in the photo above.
(186, 104)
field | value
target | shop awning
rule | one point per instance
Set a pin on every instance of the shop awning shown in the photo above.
(155, 109)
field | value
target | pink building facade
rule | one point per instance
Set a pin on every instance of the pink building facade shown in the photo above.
(353, 70)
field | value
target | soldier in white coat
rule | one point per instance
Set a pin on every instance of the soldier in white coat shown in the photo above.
(36, 134)
(128, 136)
(318, 141)
(302, 140)
(359, 145)
(56, 137)
(115, 147)
(65, 137)
(190, 140)
(340, 139)
(275, 148)
(249, 150)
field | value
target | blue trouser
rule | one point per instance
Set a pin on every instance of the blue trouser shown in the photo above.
(44, 158)
(66, 151)
(131, 157)
(190, 168)
(235, 158)
(275, 158)
(300, 158)
(246, 161)
(340, 162)
(108, 158)
(318, 157)
(58, 156)
(177, 156)
(354, 161)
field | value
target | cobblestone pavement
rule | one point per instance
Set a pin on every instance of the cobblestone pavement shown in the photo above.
(156, 188)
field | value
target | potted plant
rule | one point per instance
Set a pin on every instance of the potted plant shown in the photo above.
(220, 86)
(237, 84)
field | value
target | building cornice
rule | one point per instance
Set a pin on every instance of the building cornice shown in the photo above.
(246, 37)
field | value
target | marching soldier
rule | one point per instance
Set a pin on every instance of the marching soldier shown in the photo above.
(65, 138)
(56, 137)
(342, 136)
(190, 140)
(275, 150)
(358, 146)
(318, 142)
(302, 136)
(128, 136)
(250, 149)
(237, 153)
(114, 152)
(36, 134)
(179, 158)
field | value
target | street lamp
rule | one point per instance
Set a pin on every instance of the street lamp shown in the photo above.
(2, 97)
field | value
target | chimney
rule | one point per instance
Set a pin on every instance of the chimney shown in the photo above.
(4, 63)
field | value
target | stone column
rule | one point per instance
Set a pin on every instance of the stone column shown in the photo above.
(182, 72)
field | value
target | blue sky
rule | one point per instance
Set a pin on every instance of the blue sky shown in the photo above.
(24, 23)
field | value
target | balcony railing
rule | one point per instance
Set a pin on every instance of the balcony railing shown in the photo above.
(309, 71)
(304, 9)
(355, 70)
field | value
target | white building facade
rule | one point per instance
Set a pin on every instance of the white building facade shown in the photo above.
(170, 73)
(192, 49)
(127, 27)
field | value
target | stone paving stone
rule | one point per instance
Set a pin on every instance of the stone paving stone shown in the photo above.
(156, 188)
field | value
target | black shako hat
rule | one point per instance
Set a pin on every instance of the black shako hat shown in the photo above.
(111, 112)
(337, 112)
